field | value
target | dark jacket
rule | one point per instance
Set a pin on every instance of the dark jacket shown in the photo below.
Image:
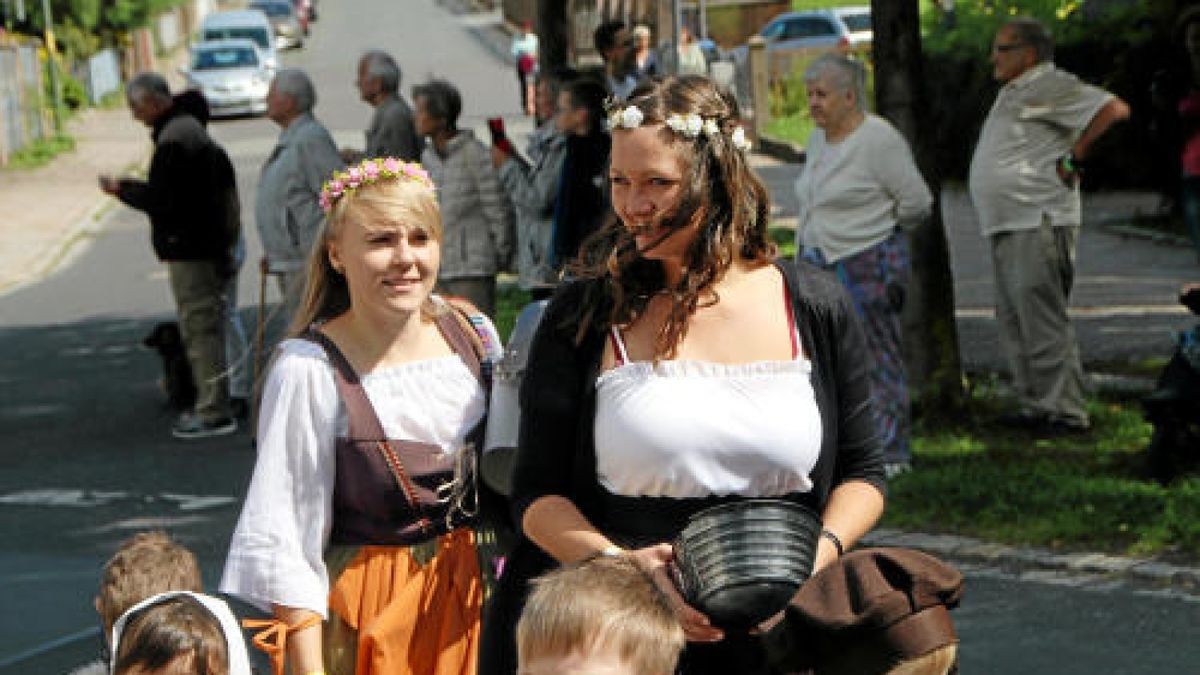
(190, 194)
(557, 455)
(583, 201)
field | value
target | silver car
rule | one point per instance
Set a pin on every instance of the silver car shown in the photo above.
(232, 76)
(803, 35)
(285, 22)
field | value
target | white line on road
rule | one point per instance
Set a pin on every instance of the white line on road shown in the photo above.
(1111, 311)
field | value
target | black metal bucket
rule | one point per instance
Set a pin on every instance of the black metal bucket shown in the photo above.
(740, 563)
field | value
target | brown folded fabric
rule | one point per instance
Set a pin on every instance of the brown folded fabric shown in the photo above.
(873, 609)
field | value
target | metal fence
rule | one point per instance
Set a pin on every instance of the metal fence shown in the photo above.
(21, 105)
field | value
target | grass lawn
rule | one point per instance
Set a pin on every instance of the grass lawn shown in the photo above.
(976, 478)
(1088, 491)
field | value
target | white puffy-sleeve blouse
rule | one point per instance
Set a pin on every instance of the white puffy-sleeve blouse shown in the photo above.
(276, 555)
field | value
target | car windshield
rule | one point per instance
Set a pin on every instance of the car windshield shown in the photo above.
(260, 36)
(273, 8)
(858, 23)
(225, 57)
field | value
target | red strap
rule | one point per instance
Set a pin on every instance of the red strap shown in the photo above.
(791, 322)
(616, 347)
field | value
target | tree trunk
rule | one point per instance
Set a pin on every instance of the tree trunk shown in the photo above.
(553, 39)
(931, 336)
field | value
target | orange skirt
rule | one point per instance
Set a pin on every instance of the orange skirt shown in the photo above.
(401, 617)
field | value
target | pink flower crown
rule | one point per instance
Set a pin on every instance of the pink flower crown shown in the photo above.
(367, 172)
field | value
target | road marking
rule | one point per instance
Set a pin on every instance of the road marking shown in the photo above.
(50, 645)
(1110, 311)
(198, 502)
(71, 498)
(144, 523)
(80, 498)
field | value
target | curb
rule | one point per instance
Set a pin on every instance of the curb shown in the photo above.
(1137, 571)
(781, 150)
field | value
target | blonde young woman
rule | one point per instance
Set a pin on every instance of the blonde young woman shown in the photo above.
(320, 536)
(686, 367)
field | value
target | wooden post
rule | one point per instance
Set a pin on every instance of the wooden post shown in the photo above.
(760, 86)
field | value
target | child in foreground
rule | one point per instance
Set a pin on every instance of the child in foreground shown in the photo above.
(603, 616)
(179, 633)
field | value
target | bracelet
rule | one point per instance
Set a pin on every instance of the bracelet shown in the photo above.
(1069, 163)
(837, 543)
(609, 551)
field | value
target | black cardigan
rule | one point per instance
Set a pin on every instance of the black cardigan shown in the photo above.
(558, 402)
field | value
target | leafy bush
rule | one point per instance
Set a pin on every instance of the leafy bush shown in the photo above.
(41, 151)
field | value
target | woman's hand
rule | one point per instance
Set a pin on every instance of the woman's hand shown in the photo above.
(656, 561)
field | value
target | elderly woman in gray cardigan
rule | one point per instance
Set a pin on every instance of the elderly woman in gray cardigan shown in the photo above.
(858, 192)
(478, 231)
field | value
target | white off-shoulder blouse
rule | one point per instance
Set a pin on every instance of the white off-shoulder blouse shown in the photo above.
(689, 429)
(275, 556)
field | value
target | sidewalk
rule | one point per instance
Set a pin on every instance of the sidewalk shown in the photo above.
(50, 209)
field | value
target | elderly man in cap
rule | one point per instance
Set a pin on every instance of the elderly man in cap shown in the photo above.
(1025, 185)
(191, 198)
(391, 133)
(286, 208)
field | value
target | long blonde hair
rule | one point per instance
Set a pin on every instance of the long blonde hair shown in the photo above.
(326, 294)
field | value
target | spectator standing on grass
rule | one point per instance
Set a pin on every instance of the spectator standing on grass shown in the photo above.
(858, 192)
(392, 132)
(286, 209)
(479, 232)
(1024, 182)
(191, 198)
(615, 45)
(533, 190)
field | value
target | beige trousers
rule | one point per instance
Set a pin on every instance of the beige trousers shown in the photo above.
(1034, 271)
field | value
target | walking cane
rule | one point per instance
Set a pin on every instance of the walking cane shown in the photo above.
(260, 331)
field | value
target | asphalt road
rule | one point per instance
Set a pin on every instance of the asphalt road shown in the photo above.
(86, 458)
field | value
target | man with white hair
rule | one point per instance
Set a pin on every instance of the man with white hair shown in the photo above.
(391, 133)
(1024, 183)
(286, 208)
(191, 198)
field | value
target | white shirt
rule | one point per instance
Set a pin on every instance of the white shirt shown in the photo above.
(275, 556)
(694, 429)
(1035, 120)
(854, 193)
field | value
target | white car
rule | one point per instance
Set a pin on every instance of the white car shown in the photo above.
(794, 35)
(232, 76)
(251, 24)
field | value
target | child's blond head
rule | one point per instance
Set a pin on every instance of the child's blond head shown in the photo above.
(606, 605)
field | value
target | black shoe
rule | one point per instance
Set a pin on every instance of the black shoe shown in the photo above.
(189, 426)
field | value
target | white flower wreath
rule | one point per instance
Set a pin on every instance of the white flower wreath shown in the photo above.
(688, 125)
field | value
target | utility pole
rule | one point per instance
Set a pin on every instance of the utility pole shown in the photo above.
(52, 63)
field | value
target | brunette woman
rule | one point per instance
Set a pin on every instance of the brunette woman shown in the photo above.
(686, 367)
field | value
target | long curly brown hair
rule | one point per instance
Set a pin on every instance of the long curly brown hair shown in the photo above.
(718, 186)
